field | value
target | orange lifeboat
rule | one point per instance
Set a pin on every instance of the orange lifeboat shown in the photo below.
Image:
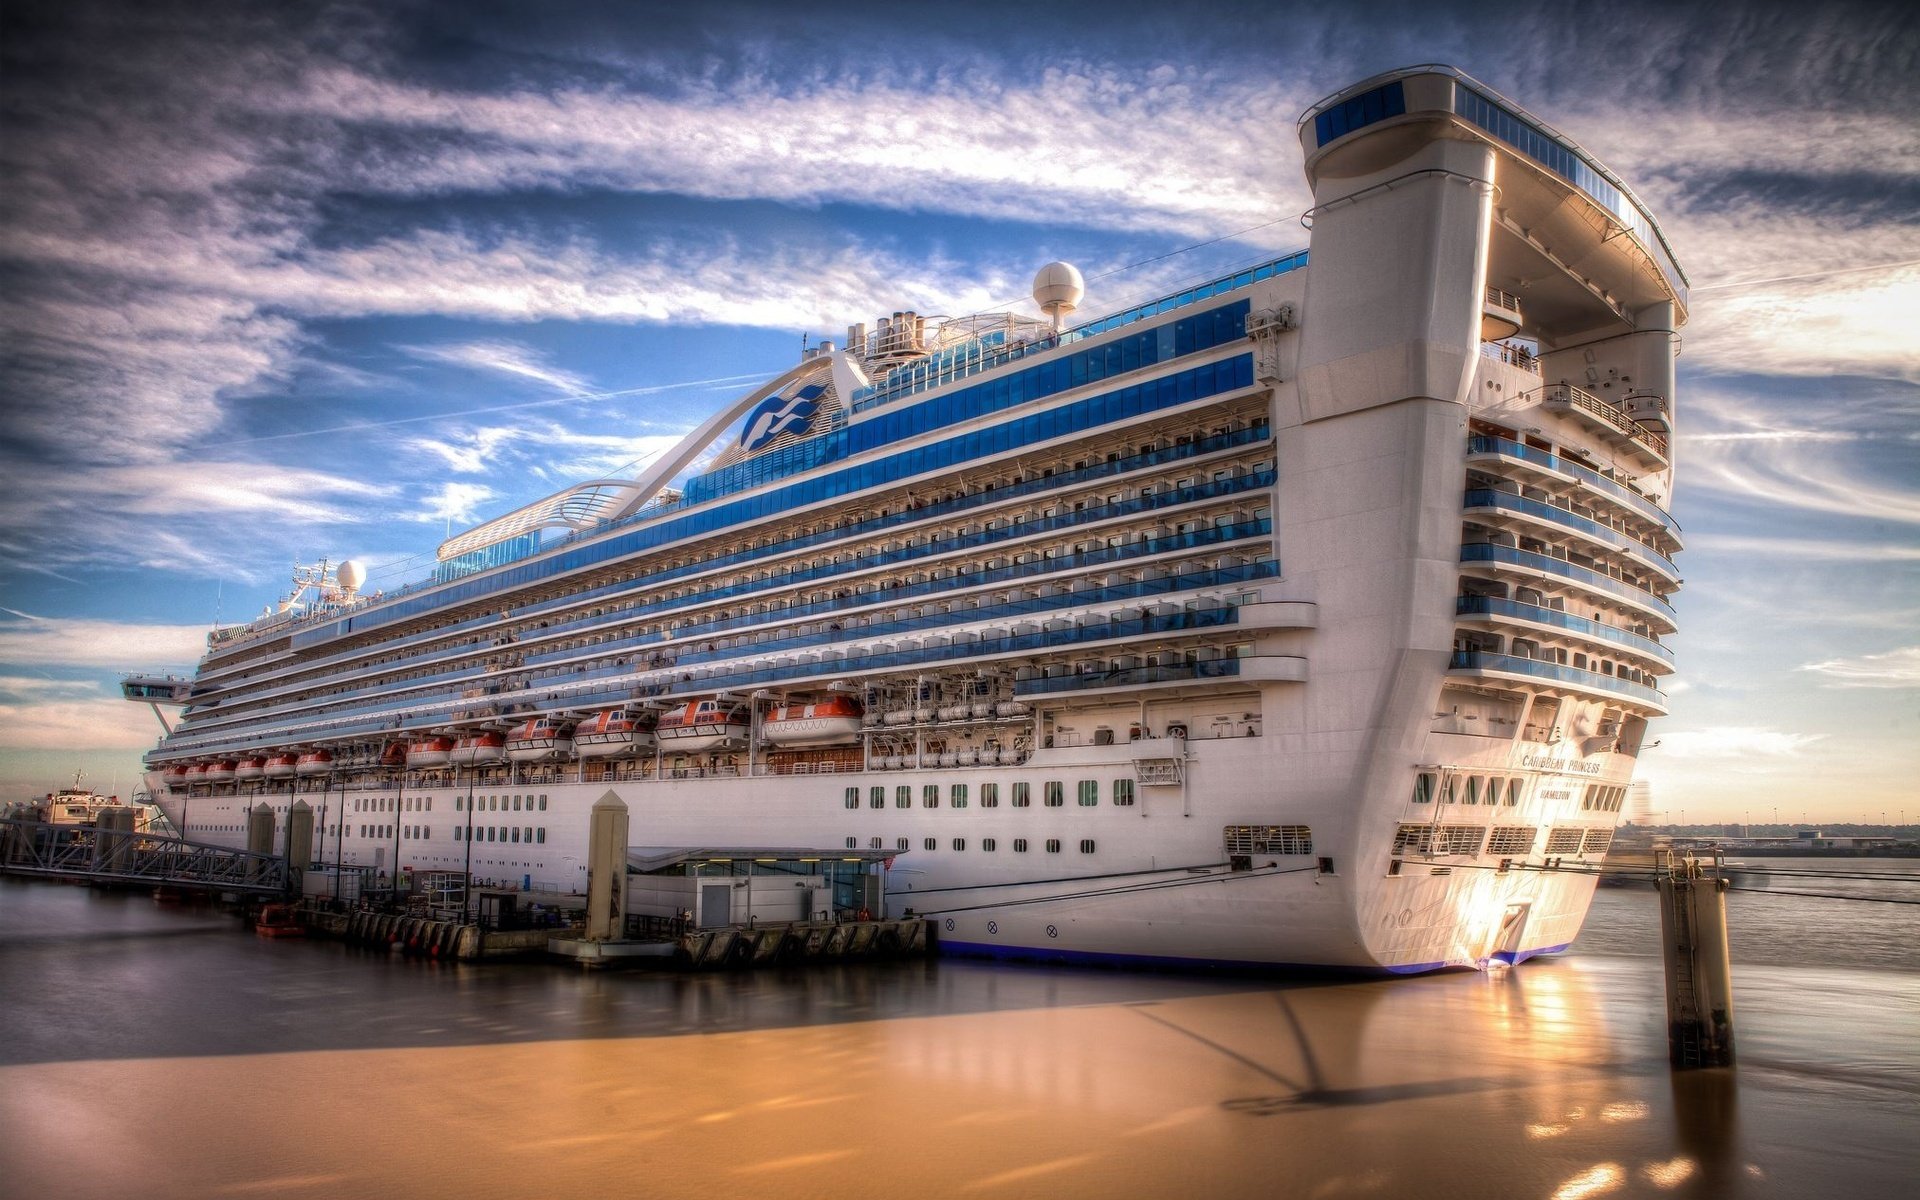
(479, 750)
(832, 722)
(222, 770)
(314, 762)
(195, 773)
(175, 777)
(703, 725)
(248, 769)
(429, 752)
(282, 765)
(616, 733)
(543, 739)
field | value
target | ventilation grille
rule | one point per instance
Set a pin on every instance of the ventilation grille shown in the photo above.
(1512, 840)
(1445, 839)
(1269, 839)
(1459, 839)
(1597, 841)
(1564, 841)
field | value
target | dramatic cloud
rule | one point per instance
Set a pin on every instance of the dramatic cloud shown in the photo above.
(27, 640)
(1735, 743)
(75, 725)
(455, 502)
(504, 358)
(1894, 669)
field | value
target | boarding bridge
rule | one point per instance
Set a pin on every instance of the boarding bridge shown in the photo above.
(96, 854)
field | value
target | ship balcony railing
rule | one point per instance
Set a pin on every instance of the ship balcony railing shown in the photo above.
(1609, 420)
(1534, 614)
(1223, 536)
(1499, 314)
(1224, 668)
(1513, 356)
(680, 659)
(1565, 470)
(1490, 500)
(1527, 561)
(830, 664)
(915, 378)
(1172, 497)
(1199, 447)
(1487, 662)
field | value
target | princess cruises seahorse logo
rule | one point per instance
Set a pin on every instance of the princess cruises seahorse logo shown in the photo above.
(781, 414)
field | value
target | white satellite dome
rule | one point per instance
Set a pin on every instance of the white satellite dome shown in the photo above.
(1057, 289)
(350, 575)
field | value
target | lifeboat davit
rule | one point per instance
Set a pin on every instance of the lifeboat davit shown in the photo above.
(542, 739)
(429, 752)
(284, 765)
(616, 733)
(250, 769)
(314, 762)
(703, 725)
(221, 771)
(834, 721)
(479, 750)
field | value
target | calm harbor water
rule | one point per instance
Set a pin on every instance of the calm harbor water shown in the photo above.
(147, 1051)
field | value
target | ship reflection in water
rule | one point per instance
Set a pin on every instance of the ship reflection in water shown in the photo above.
(166, 1056)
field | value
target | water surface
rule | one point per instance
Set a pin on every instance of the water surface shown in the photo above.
(161, 1052)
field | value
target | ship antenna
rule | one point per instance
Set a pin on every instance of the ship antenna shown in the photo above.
(1058, 290)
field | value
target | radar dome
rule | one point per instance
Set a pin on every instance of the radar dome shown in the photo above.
(350, 576)
(1057, 289)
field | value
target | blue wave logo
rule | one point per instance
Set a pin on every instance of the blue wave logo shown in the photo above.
(781, 414)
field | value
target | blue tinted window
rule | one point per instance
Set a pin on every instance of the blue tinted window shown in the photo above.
(1388, 100)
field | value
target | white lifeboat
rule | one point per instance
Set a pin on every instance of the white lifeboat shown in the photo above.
(248, 769)
(283, 765)
(314, 762)
(703, 725)
(429, 752)
(221, 771)
(479, 750)
(834, 721)
(616, 733)
(542, 739)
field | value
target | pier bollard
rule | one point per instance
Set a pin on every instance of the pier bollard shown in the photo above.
(607, 869)
(299, 844)
(1699, 969)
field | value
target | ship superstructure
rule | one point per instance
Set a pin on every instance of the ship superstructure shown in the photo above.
(1290, 618)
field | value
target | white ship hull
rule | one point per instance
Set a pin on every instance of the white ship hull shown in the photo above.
(1265, 624)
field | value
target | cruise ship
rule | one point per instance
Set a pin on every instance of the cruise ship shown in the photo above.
(1312, 615)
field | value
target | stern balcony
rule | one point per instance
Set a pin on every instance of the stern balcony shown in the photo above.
(1615, 425)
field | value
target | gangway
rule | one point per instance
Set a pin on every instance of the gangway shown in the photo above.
(104, 855)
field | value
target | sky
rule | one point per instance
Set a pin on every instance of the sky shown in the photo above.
(287, 281)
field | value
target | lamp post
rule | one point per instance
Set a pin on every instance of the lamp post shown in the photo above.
(466, 891)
